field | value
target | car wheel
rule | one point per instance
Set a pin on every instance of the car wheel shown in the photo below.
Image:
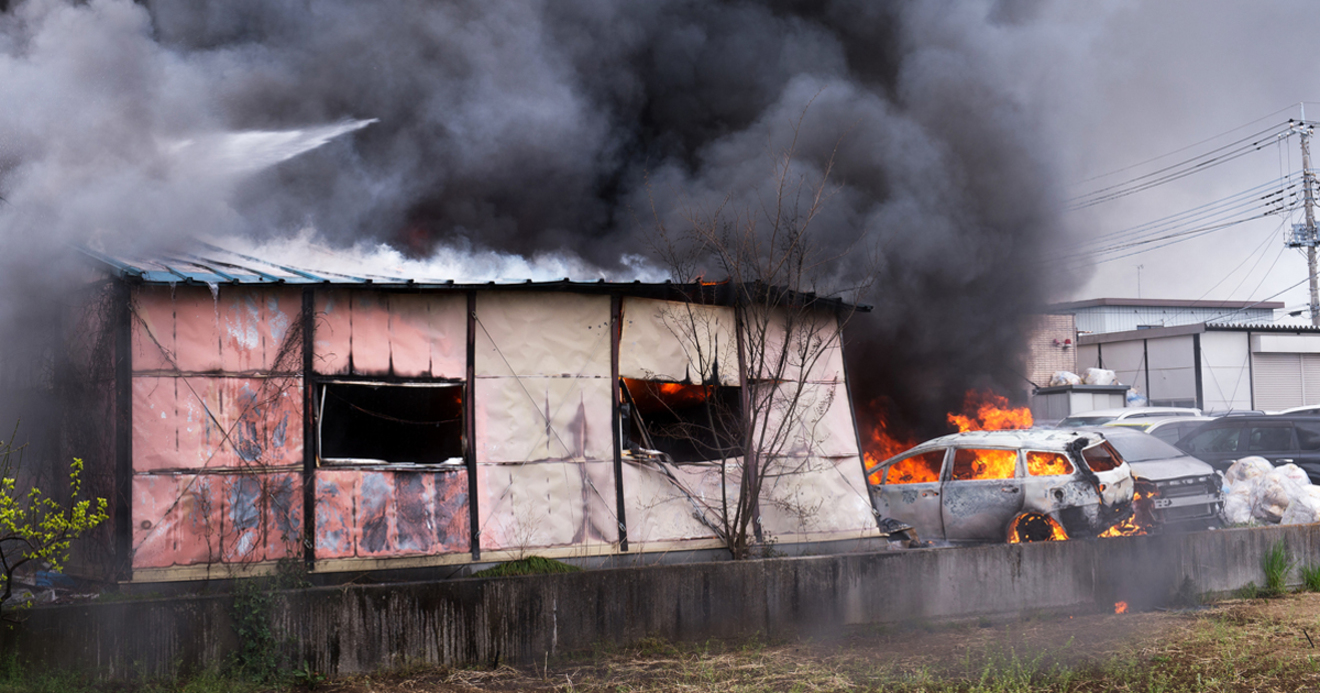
(1033, 527)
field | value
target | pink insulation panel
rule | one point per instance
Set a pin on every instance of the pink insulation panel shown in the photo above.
(188, 423)
(235, 329)
(187, 519)
(380, 333)
(369, 514)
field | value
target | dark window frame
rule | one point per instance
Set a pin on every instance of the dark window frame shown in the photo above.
(455, 438)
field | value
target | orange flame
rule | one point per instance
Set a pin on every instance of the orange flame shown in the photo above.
(652, 396)
(1142, 519)
(1120, 607)
(1048, 464)
(970, 464)
(884, 443)
(986, 411)
(1030, 528)
(982, 411)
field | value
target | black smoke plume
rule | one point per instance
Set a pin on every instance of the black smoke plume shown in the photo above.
(528, 127)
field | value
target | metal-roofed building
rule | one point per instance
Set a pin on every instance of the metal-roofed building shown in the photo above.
(1102, 315)
(255, 411)
(1216, 367)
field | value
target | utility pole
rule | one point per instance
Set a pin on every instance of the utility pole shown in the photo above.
(1304, 235)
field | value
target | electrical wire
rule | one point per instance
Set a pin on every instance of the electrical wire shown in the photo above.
(1205, 214)
(1182, 169)
(1190, 146)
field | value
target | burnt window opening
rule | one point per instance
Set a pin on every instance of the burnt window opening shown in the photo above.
(374, 423)
(690, 423)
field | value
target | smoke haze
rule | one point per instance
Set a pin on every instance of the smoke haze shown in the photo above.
(535, 130)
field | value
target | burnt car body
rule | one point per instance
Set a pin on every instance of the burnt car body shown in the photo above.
(975, 486)
(1189, 493)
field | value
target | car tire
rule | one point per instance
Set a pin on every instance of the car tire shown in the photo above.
(1029, 528)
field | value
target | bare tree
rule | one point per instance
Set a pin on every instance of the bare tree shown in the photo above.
(787, 324)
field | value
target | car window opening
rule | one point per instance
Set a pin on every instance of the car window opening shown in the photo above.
(1267, 438)
(362, 423)
(1213, 440)
(1048, 464)
(1101, 458)
(970, 464)
(923, 468)
(689, 423)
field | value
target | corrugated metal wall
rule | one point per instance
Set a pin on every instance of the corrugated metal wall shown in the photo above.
(1100, 319)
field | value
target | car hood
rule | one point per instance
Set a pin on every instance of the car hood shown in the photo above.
(1171, 468)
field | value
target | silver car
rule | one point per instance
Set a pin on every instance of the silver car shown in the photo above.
(1005, 486)
(1188, 493)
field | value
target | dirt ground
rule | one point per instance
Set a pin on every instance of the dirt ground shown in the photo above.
(1238, 645)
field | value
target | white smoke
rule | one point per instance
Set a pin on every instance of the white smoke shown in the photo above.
(459, 261)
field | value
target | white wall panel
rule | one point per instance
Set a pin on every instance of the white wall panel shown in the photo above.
(665, 340)
(1225, 371)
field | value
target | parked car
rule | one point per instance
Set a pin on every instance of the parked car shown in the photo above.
(1169, 429)
(1188, 493)
(980, 485)
(1304, 409)
(1279, 438)
(1100, 417)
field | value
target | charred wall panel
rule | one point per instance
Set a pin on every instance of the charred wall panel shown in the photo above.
(217, 426)
(215, 518)
(377, 514)
(377, 333)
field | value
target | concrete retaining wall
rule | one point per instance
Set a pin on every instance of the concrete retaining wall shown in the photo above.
(518, 620)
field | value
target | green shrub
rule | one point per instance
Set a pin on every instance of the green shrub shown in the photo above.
(532, 565)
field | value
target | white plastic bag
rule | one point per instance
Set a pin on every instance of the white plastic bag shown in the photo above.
(1061, 378)
(1304, 509)
(1100, 376)
(1246, 468)
(1274, 491)
(1237, 505)
(1297, 474)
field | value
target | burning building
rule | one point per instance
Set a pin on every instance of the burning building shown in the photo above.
(253, 411)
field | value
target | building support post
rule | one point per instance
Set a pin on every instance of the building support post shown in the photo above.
(616, 335)
(470, 427)
(310, 442)
(123, 509)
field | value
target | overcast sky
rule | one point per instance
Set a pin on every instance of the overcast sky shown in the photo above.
(1147, 79)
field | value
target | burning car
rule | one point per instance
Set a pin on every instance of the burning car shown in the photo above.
(1018, 485)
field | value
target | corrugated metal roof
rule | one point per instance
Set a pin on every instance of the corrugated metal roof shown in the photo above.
(219, 266)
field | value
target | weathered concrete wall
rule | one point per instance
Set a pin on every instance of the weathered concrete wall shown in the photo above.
(475, 621)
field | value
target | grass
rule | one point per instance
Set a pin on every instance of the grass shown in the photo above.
(1277, 566)
(1310, 578)
(532, 565)
(1233, 645)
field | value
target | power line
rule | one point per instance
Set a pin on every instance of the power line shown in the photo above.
(1180, 170)
(1190, 146)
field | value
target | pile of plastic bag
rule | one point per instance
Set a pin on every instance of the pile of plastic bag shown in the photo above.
(1256, 491)
(1061, 378)
(1094, 376)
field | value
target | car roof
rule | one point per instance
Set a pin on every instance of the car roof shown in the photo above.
(1144, 412)
(1157, 421)
(1262, 418)
(1304, 409)
(1035, 438)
